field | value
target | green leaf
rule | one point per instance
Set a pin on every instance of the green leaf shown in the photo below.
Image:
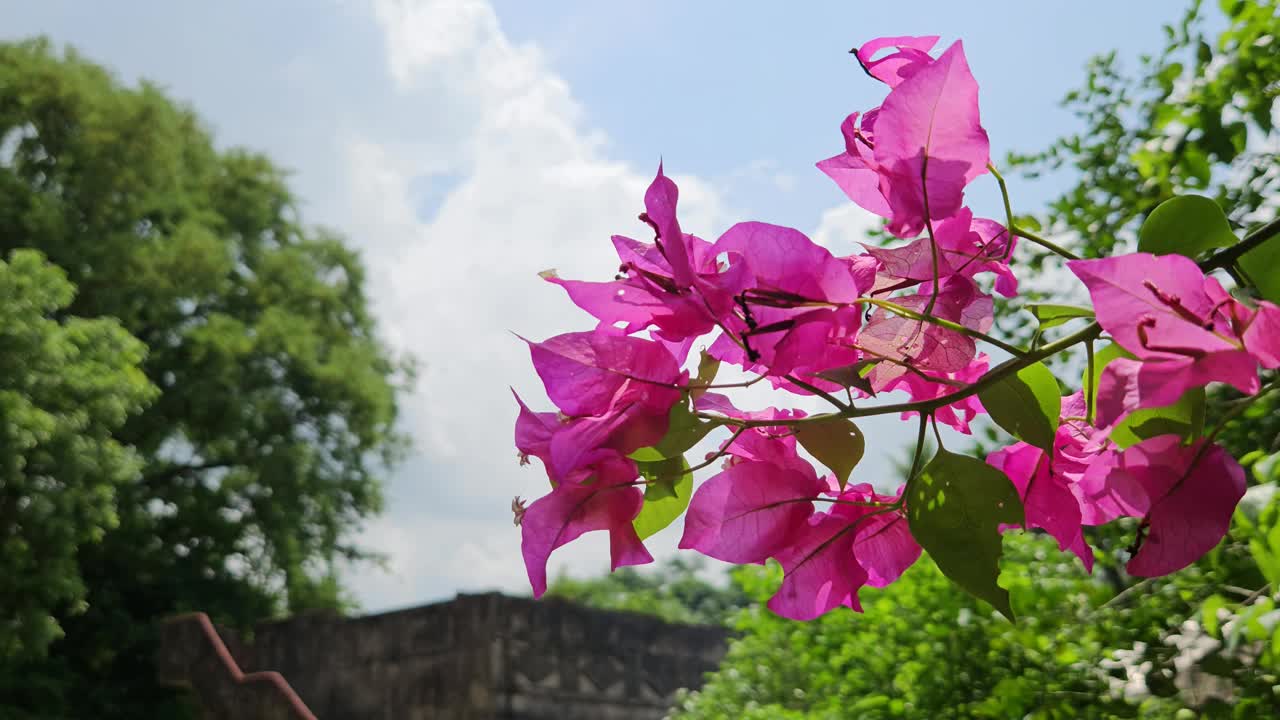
(666, 497)
(955, 509)
(1026, 404)
(1184, 418)
(1262, 265)
(684, 430)
(646, 454)
(1052, 315)
(707, 369)
(1187, 225)
(1209, 613)
(836, 443)
(854, 376)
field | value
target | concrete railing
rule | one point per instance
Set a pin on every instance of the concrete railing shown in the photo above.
(192, 654)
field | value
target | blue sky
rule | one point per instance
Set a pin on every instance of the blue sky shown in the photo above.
(464, 145)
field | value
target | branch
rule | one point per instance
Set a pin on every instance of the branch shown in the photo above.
(1027, 234)
(942, 322)
(993, 376)
(172, 471)
(819, 392)
(1228, 256)
(1014, 230)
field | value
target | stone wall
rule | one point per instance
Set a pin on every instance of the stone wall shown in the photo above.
(478, 657)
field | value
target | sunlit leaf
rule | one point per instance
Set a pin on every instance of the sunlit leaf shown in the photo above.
(683, 431)
(1262, 266)
(707, 368)
(955, 509)
(1052, 315)
(666, 497)
(1187, 225)
(836, 443)
(1026, 404)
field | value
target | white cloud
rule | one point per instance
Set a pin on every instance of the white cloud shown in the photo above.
(844, 227)
(528, 188)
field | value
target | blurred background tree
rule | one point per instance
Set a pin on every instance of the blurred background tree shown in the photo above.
(66, 385)
(235, 489)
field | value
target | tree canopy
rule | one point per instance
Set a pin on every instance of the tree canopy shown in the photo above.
(237, 486)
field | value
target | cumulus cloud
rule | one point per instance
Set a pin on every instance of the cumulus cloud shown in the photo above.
(520, 185)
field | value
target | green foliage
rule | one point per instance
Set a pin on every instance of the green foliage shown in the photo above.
(1051, 315)
(1195, 118)
(676, 591)
(667, 495)
(277, 400)
(955, 508)
(66, 385)
(707, 368)
(684, 430)
(1188, 225)
(1184, 418)
(1262, 266)
(1026, 404)
(925, 649)
(836, 443)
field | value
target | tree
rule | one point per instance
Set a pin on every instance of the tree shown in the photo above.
(66, 385)
(277, 399)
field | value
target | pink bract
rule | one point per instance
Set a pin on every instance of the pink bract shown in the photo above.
(609, 502)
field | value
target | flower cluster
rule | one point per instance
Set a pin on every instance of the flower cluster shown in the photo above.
(851, 329)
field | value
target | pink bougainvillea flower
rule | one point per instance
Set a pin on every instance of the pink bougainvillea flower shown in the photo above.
(616, 392)
(855, 170)
(626, 426)
(660, 212)
(1191, 493)
(913, 261)
(884, 546)
(1184, 329)
(927, 132)
(930, 143)
(912, 54)
(1048, 502)
(921, 386)
(1127, 385)
(821, 572)
(534, 431)
(974, 245)
(750, 511)
(771, 444)
(1262, 338)
(921, 345)
(965, 246)
(783, 327)
(608, 501)
(793, 343)
(1158, 306)
(676, 285)
(840, 551)
(785, 261)
(1081, 454)
(583, 371)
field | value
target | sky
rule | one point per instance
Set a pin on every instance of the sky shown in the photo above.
(465, 145)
